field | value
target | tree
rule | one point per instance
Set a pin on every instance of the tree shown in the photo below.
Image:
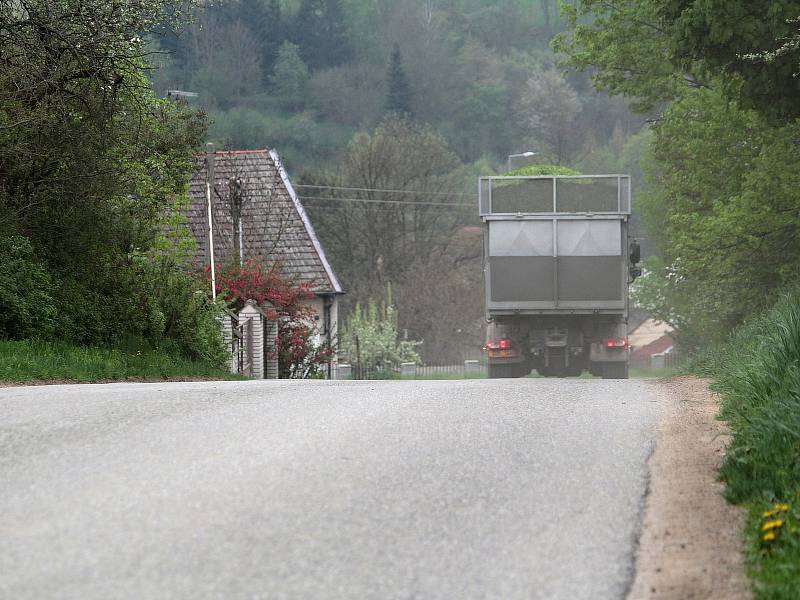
(371, 337)
(263, 18)
(752, 44)
(351, 94)
(398, 97)
(320, 30)
(291, 78)
(718, 203)
(624, 45)
(230, 67)
(653, 50)
(547, 112)
(411, 237)
(89, 158)
(273, 35)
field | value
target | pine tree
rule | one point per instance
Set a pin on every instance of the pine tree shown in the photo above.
(274, 35)
(398, 98)
(320, 29)
(263, 19)
(338, 49)
(290, 80)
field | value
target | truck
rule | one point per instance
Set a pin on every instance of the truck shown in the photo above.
(557, 265)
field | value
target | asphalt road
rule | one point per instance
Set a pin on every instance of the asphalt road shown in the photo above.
(471, 489)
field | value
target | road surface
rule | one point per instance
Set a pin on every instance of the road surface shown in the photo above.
(441, 489)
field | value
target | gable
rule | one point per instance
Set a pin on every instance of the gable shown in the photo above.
(275, 226)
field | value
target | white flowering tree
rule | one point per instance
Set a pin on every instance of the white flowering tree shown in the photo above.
(371, 337)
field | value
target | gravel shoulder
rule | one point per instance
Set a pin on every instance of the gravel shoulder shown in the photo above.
(690, 544)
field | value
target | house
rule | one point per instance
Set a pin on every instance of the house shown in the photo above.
(649, 338)
(257, 214)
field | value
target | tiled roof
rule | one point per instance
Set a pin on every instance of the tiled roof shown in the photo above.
(274, 224)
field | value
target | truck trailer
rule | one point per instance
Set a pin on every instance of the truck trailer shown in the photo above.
(557, 264)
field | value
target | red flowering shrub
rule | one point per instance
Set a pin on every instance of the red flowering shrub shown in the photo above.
(299, 357)
(298, 354)
(238, 284)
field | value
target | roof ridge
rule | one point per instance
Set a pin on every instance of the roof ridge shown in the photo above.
(235, 152)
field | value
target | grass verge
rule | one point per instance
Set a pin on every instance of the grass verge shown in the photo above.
(31, 361)
(758, 376)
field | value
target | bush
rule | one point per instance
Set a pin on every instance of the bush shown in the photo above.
(175, 311)
(26, 307)
(372, 337)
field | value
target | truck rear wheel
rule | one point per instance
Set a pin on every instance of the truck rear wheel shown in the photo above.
(615, 370)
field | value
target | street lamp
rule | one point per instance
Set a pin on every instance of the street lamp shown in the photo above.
(511, 158)
(180, 95)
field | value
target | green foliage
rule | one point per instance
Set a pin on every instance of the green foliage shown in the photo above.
(398, 97)
(90, 163)
(26, 308)
(36, 360)
(372, 337)
(320, 30)
(351, 94)
(655, 51)
(752, 44)
(469, 62)
(720, 208)
(757, 372)
(549, 107)
(718, 204)
(624, 45)
(290, 80)
(176, 312)
(301, 138)
(412, 242)
(542, 171)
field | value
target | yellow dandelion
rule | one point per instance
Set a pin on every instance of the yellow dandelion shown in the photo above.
(769, 525)
(783, 507)
(769, 536)
(768, 513)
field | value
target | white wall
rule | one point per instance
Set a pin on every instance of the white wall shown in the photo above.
(317, 305)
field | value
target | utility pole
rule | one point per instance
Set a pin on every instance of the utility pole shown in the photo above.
(209, 187)
(236, 187)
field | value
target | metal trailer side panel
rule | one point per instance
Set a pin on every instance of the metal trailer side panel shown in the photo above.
(554, 264)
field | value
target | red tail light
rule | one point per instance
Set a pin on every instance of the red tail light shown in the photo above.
(615, 343)
(498, 344)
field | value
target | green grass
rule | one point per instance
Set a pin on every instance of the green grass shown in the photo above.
(758, 375)
(29, 361)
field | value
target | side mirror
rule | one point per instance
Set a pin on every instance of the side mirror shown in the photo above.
(635, 253)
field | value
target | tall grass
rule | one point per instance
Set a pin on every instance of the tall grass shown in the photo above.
(758, 376)
(30, 360)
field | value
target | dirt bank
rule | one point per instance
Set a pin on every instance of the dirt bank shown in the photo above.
(690, 545)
